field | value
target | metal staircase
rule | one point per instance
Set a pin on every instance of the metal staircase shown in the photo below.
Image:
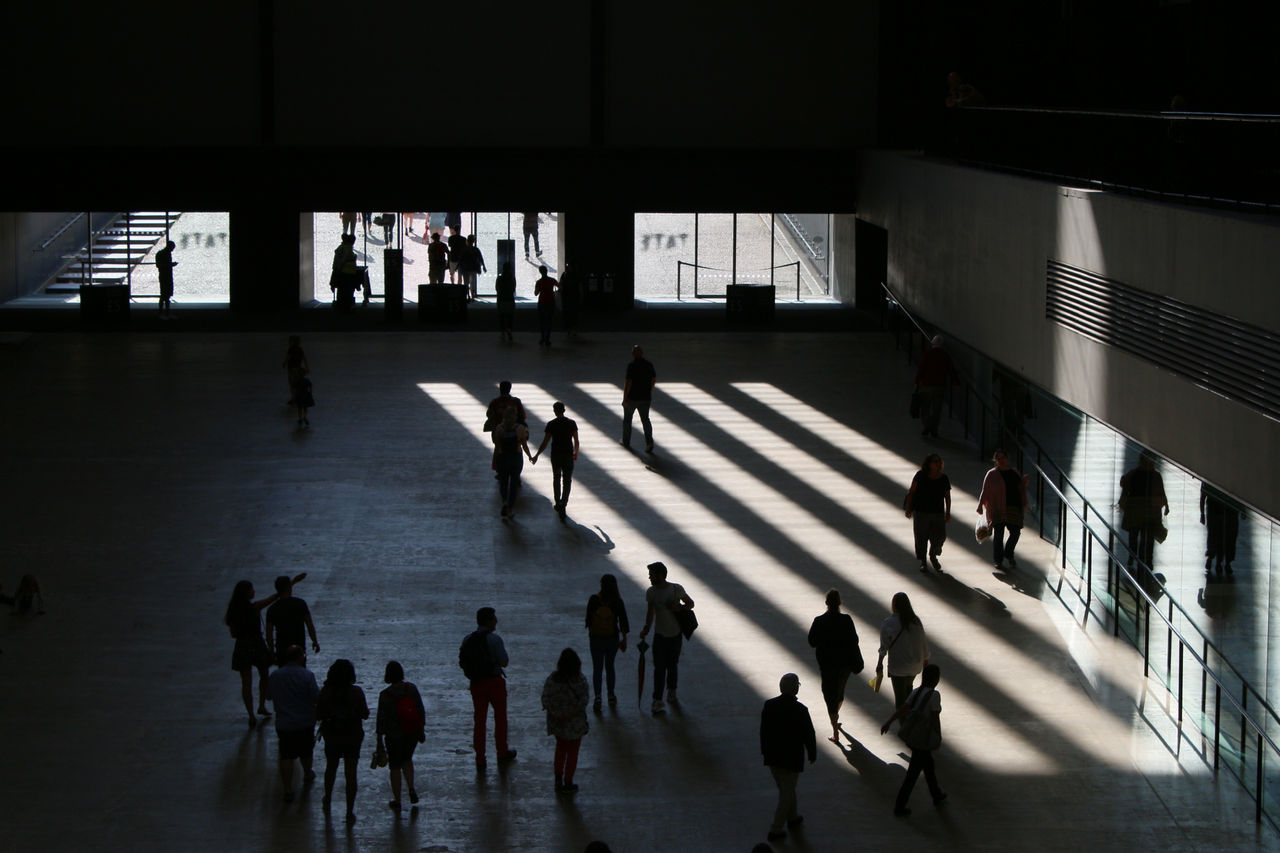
(114, 251)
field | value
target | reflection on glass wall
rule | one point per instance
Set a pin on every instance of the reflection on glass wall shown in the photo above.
(687, 255)
(412, 231)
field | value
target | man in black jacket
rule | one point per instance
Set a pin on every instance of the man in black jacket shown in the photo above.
(786, 734)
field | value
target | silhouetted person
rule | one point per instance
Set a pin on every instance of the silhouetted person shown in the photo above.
(457, 251)
(470, 265)
(929, 501)
(499, 405)
(545, 290)
(637, 394)
(483, 658)
(287, 619)
(835, 642)
(437, 259)
(1003, 499)
(932, 375)
(924, 701)
(607, 629)
(1142, 500)
(401, 725)
(164, 265)
(341, 710)
(511, 446)
(244, 620)
(295, 365)
(1222, 526)
(346, 273)
(294, 692)
(663, 599)
(570, 298)
(786, 734)
(348, 223)
(531, 230)
(562, 432)
(26, 596)
(506, 287)
(564, 698)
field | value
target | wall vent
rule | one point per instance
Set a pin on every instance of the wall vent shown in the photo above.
(1229, 357)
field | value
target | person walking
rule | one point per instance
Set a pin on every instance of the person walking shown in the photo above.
(564, 698)
(457, 251)
(401, 726)
(341, 709)
(506, 288)
(637, 394)
(663, 600)
(1003, 498)
(243, 619)
(786, 735)
(531, 230)
(470, 265)
(607, 629)
(1142, 498)
(296, 367)
(346, 274)
(164, 265)
(437, 259)
(835, 642)
(498, 406)
(932, 375)
(510, 439)
(903, 641)
(562, 432)
(929, 501)
(545, 290)
(483, 658)
(286, 620)
(922, 731)
(294, 693)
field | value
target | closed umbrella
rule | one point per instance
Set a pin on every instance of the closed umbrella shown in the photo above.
(641, 647)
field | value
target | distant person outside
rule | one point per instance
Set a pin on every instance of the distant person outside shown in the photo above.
(531, 230)
(470, 265)
(637, 394)
(506, 287)
(437, 259)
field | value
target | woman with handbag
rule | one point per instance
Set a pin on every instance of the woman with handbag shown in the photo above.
(341, 709)
(835, 642)
(401, 727)
(922, 731)
(902, 640)
(1003, 499)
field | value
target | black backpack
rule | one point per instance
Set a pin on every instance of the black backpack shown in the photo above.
(474, 658)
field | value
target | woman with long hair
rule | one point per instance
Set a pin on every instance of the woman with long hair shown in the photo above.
(510, 438)
(835, 642)
(341, 708)
(929, 500)
(607, 629)
(401, 727)
(244, 620)
(902, 640)
(564, 697)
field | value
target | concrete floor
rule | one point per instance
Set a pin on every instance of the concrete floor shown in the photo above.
(144, 474)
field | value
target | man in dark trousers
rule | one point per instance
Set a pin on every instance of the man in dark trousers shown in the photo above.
(294, 692)
(286, 619)
(483, 657)
(545, 289)
(637, 393)
(165, 264)
(932, 374)
(786, 734)
(562, 432)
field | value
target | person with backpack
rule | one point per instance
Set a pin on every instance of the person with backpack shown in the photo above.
(922, 731)
(400, 727)
(835, 641)
(341, 710)
(483, 657)
(607, 629)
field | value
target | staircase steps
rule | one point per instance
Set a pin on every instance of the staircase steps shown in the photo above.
(117, 249)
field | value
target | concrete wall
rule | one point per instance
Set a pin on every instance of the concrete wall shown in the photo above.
(967, 250)
(673, 74)
(26, 266)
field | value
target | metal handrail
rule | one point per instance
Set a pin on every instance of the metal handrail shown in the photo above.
(1046, 478)
(56, 234)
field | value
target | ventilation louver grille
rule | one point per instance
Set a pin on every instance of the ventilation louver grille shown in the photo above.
(1226, 356)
